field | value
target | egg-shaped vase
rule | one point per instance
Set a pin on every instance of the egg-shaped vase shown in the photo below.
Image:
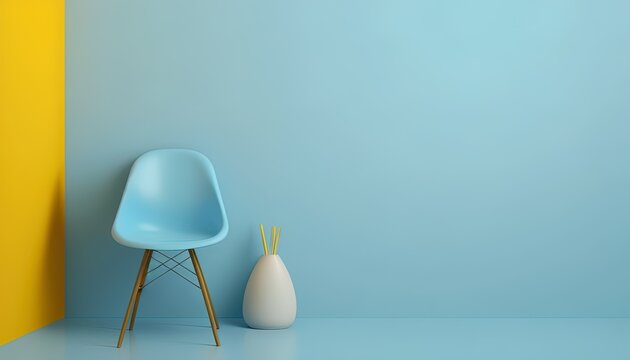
(269, 301)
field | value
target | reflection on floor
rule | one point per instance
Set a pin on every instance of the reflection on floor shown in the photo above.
(189, 339)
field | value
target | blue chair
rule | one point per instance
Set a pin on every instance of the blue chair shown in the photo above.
(171, 202)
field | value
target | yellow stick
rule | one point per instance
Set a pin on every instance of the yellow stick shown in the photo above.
(264, 240)
(275, 248)
(273, 238)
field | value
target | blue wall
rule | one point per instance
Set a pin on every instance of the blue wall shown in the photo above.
(440, 158)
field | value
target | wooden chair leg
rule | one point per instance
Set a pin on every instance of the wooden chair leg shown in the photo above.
(204, 288)
(207, 291)
(144, 278)
(134, 293)
(206, 295)
(214, 313)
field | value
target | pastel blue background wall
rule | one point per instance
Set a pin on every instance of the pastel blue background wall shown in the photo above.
(425, 158)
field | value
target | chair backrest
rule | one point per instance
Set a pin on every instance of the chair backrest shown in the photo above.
(172, 189)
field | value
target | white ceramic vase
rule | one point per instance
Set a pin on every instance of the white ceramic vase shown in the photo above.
(269, 301)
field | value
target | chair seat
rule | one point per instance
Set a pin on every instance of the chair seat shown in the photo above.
(171, 202)
(147, 236)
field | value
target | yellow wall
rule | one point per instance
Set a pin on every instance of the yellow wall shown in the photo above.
(31, 165)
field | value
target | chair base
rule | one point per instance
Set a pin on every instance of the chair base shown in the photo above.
(140, 284)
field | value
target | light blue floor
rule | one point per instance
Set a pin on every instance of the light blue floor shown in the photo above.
(189, 339)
